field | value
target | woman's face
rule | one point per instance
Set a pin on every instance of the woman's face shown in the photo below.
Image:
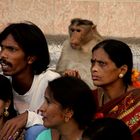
(52, 112)
(103, 69)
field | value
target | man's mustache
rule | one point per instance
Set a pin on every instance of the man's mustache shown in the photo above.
(2, 61)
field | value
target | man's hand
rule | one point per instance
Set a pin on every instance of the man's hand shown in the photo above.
(13, 126)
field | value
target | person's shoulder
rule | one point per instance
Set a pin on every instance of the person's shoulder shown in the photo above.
(46, 134)
(49, 74)
(46, 76)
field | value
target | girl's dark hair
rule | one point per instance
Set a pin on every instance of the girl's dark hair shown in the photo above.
(120, 53)
(74, 94)
(33, 42)
(6, 94)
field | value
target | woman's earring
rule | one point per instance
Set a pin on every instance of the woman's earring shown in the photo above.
(6, 113)
(121, 75)
(67, 119)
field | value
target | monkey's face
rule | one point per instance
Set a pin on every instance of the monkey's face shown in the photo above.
(78, 36)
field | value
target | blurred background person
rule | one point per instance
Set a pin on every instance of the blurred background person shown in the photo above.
(7, 110)
(107, 129)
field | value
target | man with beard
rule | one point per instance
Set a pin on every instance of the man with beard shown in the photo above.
(25, 58)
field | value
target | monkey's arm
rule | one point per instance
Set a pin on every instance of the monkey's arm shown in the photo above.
(63, 61)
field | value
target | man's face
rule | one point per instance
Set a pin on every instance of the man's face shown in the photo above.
(13, 57)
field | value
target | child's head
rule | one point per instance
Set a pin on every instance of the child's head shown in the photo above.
(107, 128)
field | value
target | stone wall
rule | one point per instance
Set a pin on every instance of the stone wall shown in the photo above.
(113, 17)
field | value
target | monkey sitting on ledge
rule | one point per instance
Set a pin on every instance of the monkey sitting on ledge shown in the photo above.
(76, 52)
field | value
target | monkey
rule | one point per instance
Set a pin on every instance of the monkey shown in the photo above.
(76, 52)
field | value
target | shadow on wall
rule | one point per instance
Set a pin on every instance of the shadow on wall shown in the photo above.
(55, 45)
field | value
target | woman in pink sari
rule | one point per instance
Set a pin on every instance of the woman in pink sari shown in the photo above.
(111, 70)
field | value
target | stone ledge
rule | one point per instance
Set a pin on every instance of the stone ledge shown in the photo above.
(55, 45)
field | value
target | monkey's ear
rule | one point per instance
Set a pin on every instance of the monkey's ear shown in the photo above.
(94, 27)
